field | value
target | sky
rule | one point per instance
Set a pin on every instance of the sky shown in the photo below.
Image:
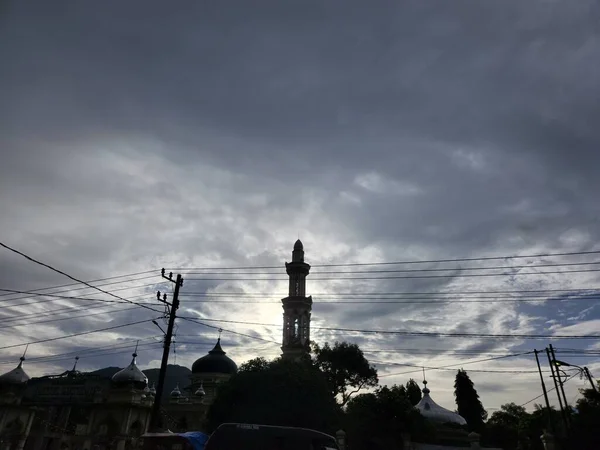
(139, 135)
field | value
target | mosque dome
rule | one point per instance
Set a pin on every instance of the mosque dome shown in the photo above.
(15, 376)
(131, 375)
(175, 393)
(215, 362)
(200, 391)
(434, 412)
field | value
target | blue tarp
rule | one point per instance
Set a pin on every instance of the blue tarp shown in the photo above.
(197, 439)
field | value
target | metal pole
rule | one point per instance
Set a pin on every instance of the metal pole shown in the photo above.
(589, 377)
(155, 415)
(562, 388)
(549, 412)
(562, 411)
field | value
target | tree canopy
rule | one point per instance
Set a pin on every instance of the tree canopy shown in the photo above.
(378, 420)
(346, 369)
(413, 392)
(468, 403)
(279, 392)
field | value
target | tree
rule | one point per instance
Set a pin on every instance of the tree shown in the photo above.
(413, 392)
(279, 392)
(586, 420)
(346, 369)
(507, 428)
(378, 420)
(468, 403)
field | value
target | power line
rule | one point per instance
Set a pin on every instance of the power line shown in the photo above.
(406, 301)
(553, 272)
(126, 343)
(41, 341)
(464, 363)
(68, 318)
(76, 298)
(34, 292)
(439, 269)
(93, 281)
(414, 333)
(547, 391)
(462, 293)
(192, 319)
(430, 261)
(72, 277)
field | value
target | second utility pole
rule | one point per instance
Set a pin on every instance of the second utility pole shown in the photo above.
(155, 415)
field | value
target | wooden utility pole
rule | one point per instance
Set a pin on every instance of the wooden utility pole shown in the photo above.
(548, 410)
(173, 306)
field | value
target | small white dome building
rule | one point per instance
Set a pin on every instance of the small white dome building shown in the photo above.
(434, 412)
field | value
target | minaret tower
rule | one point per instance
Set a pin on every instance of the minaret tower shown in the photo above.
(296, 307)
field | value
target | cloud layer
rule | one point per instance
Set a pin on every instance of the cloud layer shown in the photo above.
(141, 135)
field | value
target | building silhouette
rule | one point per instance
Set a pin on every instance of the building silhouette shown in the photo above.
(90, 411)
(296, 307)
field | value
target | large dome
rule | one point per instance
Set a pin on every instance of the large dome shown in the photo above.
(15, 376)
(131, 375)
(215, 362)
(434, 412)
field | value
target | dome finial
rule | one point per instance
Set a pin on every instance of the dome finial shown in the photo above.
(22, 358)
(75, 364)
(425, 388)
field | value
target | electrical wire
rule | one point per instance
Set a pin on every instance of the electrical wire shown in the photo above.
(192, 319)
(29, 258)
(68, 318)
(547, 391)
(454, 275)
(41, 341)
(90, 281)
(414, 333)
(408, 301)
(79, 298)
(439, 269)
(29, 294)
(483, 258)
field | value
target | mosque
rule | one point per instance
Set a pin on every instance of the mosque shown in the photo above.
(84, 411)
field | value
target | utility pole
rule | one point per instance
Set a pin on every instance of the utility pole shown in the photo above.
(173, 306)
(549, 412)
(589, 377)
(562, 388)
(560, 403)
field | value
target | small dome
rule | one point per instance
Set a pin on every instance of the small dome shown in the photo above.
(298, 245)
(131, 375)
(176, 392)
(434, 412)
(200, 391)
(215, 362)
(15, 376)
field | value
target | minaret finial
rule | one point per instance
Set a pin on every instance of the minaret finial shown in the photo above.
(75, 364)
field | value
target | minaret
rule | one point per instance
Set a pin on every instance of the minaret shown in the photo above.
(296, 307)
